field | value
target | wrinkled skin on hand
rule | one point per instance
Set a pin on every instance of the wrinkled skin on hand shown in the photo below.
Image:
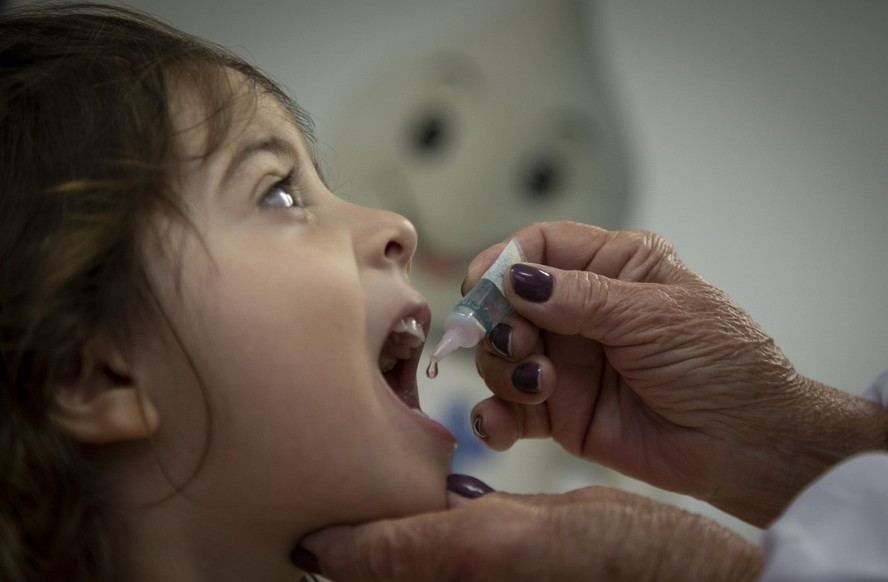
(645, 367)
(589, 534)
(649, 369)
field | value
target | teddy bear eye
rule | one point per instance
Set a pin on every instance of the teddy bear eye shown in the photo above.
(431, 133)
(542, 178)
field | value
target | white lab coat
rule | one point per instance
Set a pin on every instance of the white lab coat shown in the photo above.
(836, 530)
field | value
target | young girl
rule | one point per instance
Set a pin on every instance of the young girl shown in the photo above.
(205, 354)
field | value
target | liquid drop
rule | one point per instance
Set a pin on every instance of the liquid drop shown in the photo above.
(432, 370)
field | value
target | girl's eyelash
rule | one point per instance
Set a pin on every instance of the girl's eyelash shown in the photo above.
(291, 179)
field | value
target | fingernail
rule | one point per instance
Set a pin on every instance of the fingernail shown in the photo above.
(467, 486)
(501, 339)
(305, 560)
(526, 377)
(476, 428)
(531, 283)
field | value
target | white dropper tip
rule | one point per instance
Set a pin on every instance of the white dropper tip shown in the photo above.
(460, 331)
(451, 340)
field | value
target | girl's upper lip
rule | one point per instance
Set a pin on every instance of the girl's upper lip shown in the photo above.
(420, 311)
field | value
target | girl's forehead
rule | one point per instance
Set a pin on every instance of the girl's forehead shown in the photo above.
(206, 124)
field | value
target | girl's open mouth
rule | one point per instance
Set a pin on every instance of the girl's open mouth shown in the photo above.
(399, 359)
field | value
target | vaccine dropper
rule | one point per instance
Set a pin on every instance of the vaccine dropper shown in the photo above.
(483, 307)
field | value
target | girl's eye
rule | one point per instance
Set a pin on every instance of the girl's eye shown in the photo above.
(279, 196)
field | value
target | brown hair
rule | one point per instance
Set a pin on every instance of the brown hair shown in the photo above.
(87, 157)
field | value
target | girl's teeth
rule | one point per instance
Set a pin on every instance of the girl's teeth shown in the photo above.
(406, 335)
(401, 351)
(410, 326)
(387, 362)
(390, 357)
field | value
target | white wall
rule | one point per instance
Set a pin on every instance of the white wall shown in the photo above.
(760, 132)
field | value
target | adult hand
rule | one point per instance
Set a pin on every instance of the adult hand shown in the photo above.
(588, 534)
(626, 357)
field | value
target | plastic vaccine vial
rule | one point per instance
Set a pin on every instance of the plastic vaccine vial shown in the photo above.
(483, 307)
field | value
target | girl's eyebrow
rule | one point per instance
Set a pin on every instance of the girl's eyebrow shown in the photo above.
(279, 147)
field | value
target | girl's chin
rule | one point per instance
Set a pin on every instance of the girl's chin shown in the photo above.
(407, 503)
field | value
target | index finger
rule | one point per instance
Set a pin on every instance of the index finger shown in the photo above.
(624, 255)
(388, 550)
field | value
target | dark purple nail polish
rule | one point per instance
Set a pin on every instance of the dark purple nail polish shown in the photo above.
(305, 560)
(501, 339)
(467, 486)
(526, 377)
(478, 429)
(531, 283)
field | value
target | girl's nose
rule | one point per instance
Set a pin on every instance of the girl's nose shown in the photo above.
(388, 237)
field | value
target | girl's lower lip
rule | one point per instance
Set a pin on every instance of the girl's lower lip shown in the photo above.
(442, 431)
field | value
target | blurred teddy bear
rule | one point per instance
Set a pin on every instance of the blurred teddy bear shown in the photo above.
(482, 130)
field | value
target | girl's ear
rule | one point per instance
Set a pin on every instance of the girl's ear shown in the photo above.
(104, 404)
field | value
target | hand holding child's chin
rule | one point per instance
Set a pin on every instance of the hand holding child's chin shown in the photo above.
(600, 532)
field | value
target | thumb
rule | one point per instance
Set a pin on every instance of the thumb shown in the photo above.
(395, 550)
(410, 548)
(574, 302)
